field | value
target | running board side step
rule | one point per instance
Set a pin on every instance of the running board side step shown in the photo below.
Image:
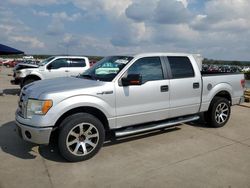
(167, 123)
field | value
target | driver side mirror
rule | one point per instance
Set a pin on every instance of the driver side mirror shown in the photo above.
(132, 79)
(49, 67)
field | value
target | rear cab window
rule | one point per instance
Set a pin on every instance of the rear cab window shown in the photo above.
(77, 62)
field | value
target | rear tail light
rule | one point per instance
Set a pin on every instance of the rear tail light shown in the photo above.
(243, 83)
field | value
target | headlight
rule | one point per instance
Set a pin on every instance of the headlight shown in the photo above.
(18, 74)
(38, 107)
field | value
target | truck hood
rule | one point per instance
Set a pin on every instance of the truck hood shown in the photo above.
(21, 66)
(65, 87)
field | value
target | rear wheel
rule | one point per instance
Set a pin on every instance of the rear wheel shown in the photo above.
(218, 113)
(81, 136)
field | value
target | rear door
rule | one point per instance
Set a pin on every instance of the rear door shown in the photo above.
(184, 86)
(147, 102)
(76, 66)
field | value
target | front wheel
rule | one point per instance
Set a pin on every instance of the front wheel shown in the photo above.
(27, 81)
(81, 136)
(218, 113)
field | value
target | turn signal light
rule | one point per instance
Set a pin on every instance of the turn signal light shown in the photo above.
(46, 106)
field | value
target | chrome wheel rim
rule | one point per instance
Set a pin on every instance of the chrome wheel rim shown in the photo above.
(221, 113)
(82, 139)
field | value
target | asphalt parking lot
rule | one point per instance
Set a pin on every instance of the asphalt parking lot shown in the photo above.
(191, 155)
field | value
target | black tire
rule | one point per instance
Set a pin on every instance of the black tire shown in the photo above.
(76, 146)
(27, 81)
(218, 113)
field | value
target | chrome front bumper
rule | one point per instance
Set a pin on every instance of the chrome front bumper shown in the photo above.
(34, 134)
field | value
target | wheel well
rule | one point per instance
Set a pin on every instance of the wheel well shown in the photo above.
(224, 94)
(32, 77)
(91, 110)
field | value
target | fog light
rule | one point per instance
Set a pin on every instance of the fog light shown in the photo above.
(27, 134)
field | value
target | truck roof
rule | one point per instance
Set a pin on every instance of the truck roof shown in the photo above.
(163, 54)
(198, 57)
(67, 56)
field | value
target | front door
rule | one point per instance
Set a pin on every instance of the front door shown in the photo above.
(57, 68)
(147, 102)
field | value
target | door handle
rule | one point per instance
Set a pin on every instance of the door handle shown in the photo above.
(164, 88)
(196, 85)
(66, 70)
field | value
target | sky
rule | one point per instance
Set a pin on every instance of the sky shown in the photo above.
(217, 29)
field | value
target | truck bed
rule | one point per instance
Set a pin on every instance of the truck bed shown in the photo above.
(212, 82)
(206, 73)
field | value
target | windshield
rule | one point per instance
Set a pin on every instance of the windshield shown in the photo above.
(44, 62)
(107, 68)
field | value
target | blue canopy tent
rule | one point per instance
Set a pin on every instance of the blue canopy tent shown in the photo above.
(6, 50)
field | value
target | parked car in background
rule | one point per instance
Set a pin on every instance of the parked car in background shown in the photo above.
(126, 95)
(10, 63)
(56, 66)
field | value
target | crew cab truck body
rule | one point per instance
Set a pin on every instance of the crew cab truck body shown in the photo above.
(138, 93)
(53, 67)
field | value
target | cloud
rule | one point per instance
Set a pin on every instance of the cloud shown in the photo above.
(90, 45)
(222, 25)
(7, 29)
(97, 8)
(224, 15)
(161, 11)
(56, 27)
(41, 13)
(63, 16)
(177, 34)
(218, 10)
(172, 12)
(184, 2)
(59, 19)
(32, 2)
(69, 40)
(32, 41)
(141, 11)
(216, 28)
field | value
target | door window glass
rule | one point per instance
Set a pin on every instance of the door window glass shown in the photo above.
(149, 68)
(181, 67)
(58, 63)
(77, 63)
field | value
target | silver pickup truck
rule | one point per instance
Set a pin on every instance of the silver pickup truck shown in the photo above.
(125, 95)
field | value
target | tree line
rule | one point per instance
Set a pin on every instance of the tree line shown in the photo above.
(223, 62)
(97, 58)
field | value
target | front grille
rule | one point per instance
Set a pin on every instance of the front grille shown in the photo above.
(22, 104)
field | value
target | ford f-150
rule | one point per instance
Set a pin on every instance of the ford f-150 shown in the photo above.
(125, 95)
